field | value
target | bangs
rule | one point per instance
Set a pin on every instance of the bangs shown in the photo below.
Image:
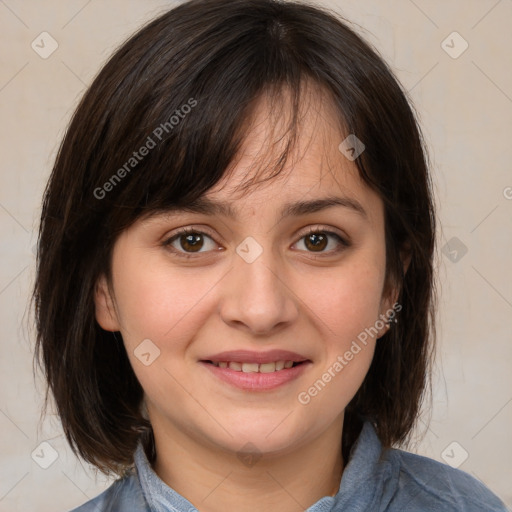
(284, 111)
(174, 123)
(173, 143)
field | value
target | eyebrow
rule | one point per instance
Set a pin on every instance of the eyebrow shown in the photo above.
(207, 206)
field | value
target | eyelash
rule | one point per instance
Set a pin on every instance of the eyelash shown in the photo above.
(191, 231)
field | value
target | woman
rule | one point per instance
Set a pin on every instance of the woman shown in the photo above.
(235, 291)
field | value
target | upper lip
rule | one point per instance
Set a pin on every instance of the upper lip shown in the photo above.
(248, 356)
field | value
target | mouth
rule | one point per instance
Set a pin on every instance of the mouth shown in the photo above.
(271, 367)
(256, 371)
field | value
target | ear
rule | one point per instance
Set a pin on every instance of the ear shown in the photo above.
(391, 292)
(104, 306)
(406, 255)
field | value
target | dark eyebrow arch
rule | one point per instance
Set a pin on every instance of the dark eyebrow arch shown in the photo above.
(208, 206)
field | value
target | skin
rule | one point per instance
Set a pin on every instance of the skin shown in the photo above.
(292, 297)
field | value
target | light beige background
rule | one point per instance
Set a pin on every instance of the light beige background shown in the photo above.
(465, 106)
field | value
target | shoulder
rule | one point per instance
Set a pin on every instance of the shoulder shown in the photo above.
(124, 494)
(428, 485)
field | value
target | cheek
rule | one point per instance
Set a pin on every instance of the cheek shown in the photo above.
(167, 307)
(346, 306)
(345, 301)
(156, 301)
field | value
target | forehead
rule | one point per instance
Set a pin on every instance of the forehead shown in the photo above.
(315, 167)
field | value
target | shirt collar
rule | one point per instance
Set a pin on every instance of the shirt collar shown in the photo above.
(159, 496)
(365, 483)
(364, 478)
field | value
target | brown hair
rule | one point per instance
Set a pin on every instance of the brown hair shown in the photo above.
(216, 57)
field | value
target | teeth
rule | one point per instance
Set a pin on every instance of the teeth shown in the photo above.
(255, 367)
(250, 367)
(267, 367)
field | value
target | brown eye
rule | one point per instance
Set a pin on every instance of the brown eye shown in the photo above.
(191, 242)
(316, 241)
(188, 242)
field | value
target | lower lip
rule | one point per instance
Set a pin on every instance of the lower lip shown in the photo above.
(257, 381)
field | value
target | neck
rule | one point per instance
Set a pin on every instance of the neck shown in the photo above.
(216, 481)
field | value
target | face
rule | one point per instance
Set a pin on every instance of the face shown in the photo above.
(301, 283)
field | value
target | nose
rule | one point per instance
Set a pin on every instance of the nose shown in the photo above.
(256, 296)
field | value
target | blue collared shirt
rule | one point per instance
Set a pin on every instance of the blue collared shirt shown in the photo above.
(374, 480)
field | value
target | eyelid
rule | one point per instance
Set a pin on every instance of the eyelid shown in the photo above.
(201, 230)
(324, 229)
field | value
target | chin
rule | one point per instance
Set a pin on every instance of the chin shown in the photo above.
(272, 433)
